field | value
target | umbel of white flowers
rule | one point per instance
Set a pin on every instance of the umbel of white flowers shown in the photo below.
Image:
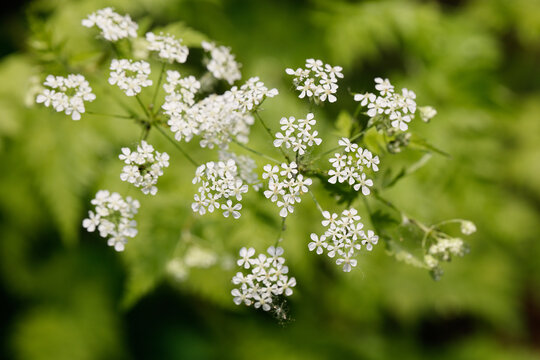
(343, 237)
(219, 119)
(66, 94)
(113, 218)
(143, 167)
(268, 278)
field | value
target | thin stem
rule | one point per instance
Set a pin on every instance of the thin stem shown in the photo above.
(281, 231)
(368, 209)
(145, 132)
(271, 134)
(158, 85)
(111, 115)
(175, 143)
(256, 152)
(142, 106)
(315, 201)
(357, 111)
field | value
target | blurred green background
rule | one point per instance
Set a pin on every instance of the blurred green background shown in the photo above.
(66, 295)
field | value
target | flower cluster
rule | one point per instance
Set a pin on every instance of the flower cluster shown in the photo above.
(443, 250)
(317, 80)
(168, 47)
(219, 182)
(344, 236)
(398, 109)
(297, 134)
(267, 280)
(285, 186)
(130, 76)
(349, 166)
(217, 118)
(222, 63)
(246, 167)
(113, 218)
(66, 94)
(143, 167)
(113, 26)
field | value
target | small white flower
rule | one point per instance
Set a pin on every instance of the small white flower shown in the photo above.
(245, 257)
(230, 209)
(318, 243)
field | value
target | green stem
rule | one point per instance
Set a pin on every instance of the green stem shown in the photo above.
(175, 143)
(255, 151)
(111, 115)
(315, 201)
(271, 134)
(142, 106)
(281, 231)
(158, 85)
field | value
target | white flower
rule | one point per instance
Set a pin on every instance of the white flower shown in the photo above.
(268, 278)
(318, 243)
(66, 94)
(230, 209)
(366, 98)
(370, 240)
(384, 86)
(245, 257)
(220, 181)
(317, 80)
(168, 47)
(343, 238)
(222, 63)
(130, 76)
(113, 26)
(113, 218)
(218, 119)
(364, 184)
(391, 111)
(349, 167)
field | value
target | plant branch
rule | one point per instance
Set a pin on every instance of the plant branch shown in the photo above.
(255, 151)
(175, 143)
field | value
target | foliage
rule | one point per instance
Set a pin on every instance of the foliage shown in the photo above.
(69, 297)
